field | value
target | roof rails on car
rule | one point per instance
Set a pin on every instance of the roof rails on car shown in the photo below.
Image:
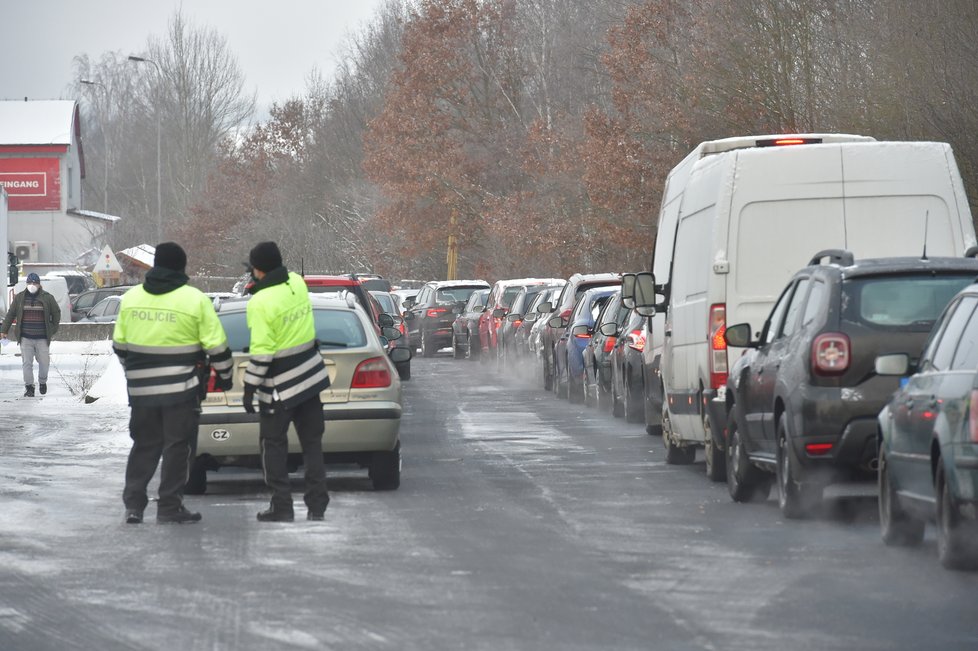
(972, 252)
(836, 256)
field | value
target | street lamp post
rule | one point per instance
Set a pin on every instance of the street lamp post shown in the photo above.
(159, 185)
(105, 141)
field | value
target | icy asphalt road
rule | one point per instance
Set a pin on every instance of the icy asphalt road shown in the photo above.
(522, 522)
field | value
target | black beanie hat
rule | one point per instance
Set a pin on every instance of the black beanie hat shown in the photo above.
(171, 256)
(265, 256)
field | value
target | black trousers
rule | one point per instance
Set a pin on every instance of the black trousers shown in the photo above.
(170, 432)
(273, 434)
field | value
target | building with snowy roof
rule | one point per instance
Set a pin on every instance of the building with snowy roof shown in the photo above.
(42, 165)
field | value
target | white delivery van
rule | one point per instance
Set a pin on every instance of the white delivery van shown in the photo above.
(54, 285)
(739, 216)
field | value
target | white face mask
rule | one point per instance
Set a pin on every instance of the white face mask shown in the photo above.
(33, 289)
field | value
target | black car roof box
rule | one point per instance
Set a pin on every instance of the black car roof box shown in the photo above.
(840, 257)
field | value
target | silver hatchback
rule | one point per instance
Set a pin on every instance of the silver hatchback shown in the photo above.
(361, 407)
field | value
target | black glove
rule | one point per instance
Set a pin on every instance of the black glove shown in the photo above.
(247, 400)
(222, 384)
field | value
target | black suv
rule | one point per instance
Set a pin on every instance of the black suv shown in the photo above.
(430, 316)
(803, 399)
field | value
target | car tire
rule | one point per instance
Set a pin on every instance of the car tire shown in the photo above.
(403, 370)
(716, 458)
(957, 538)
(473, 352)
(676, 455)
(795, 499)
(385, 469)
(617, 409)
(604, 398)
(897, 527)
(744, 480)
(427, 348)
(590, 397)
(456, 351)
(196, 477)
(633, 409)
(547, 379)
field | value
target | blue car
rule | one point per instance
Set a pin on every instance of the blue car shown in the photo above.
(569, 371)
(928, 439)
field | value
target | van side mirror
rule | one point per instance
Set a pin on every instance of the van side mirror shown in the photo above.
(650, 298)
(628, 290)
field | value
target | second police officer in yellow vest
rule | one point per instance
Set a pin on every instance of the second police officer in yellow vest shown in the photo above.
(286, 372)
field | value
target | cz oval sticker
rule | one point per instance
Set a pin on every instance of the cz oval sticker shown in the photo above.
(220, 435)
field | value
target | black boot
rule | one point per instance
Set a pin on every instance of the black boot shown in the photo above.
(179, 516)
(43, 387)
(29, 393)
(276, 515)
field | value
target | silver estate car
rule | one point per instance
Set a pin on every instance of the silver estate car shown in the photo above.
(362, 406)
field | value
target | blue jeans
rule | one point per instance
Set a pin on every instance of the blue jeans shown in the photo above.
(29, 349)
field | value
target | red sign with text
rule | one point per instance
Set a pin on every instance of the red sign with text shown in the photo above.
(32, 183)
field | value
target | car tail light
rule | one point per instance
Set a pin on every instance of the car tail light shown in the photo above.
(636, 340)
(973, 416)
(400, 326)
(212, 383)
(565, 314)
(497, 323)
(435, 312)
(718, 345)
(830, 354)
(371, 374)
(818, 449)
(609, 344)
(517, 323)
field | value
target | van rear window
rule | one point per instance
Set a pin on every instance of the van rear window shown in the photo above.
(905, 301)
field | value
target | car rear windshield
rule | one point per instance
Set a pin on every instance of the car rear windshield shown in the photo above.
(334, 329)
(450, 295)
(906, 301)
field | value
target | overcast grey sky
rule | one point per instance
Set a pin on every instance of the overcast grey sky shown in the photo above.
(277, 42)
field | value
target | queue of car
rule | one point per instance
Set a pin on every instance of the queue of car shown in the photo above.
(761, 337)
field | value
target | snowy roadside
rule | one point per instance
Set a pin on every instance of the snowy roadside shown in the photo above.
(78, 368)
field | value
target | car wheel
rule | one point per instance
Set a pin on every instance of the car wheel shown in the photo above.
(744, 480)
(427, 347)
(547, 378)
(590, 396)
(897, 527)
(796, 499)
(474, 351)
(676, 455)
(456, 350)
(197, 477)
(653, 422)
(716, 460)
(404, 370)
(957, 538)
(630, 405)
(385, 469)
(617, 409)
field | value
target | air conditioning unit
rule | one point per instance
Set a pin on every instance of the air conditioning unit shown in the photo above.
(26, 251)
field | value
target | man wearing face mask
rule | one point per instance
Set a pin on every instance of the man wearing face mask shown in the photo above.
(37, 315)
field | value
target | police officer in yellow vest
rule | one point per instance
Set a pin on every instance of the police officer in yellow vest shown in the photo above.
(166, 335)
(287, 372)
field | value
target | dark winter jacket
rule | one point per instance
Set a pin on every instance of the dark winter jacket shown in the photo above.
(52, 313)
